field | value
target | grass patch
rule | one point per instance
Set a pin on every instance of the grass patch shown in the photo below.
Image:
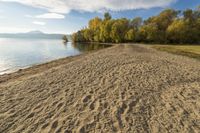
(192, 51)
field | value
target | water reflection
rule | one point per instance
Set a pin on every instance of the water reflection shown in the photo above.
(88, 46)
(64, 43)
(19, 53)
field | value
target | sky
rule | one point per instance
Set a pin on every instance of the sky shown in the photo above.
(68, 16)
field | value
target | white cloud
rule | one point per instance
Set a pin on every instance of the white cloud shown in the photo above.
(51, 16)
(65, 6)
(39, 23)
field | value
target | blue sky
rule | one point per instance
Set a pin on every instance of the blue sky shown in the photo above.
(67, 16)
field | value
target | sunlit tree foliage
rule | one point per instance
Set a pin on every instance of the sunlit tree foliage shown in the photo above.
(170, 26)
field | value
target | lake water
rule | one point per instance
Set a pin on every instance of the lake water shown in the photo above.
(16, 54)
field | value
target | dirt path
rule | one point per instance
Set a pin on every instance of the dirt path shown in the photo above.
(124, 88)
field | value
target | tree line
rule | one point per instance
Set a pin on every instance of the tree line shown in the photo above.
(170, 26)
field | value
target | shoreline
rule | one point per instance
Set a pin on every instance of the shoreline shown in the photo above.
(51, 64)
(44, 66)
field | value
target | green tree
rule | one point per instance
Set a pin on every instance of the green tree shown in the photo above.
(65, 39)
(197, 11)
(107, 16)
(165, 18)
(88, 35)
(180, 31)
(166, 27)
(149, 33)
(105, 31)
(95, 25)
(130, 35)
(176, 32)
(136, 23)
(119, 30)
(78, 36)
(160, 23)
(189, 15)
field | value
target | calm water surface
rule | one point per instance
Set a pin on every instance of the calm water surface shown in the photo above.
(21, 53)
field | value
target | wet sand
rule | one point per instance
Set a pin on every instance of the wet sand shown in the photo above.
(124, 88)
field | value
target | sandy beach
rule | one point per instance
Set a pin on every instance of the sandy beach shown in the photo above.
(123, 88)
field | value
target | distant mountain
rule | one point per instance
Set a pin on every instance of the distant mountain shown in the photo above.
(33, 35)
(35, 32)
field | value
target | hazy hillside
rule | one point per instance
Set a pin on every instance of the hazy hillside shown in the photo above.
(32, 34)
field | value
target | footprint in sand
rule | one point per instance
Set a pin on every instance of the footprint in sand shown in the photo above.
(59, 105)
(92, 106)
(54, 125)
(45, 125)
(86, 98)
(30, 115)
